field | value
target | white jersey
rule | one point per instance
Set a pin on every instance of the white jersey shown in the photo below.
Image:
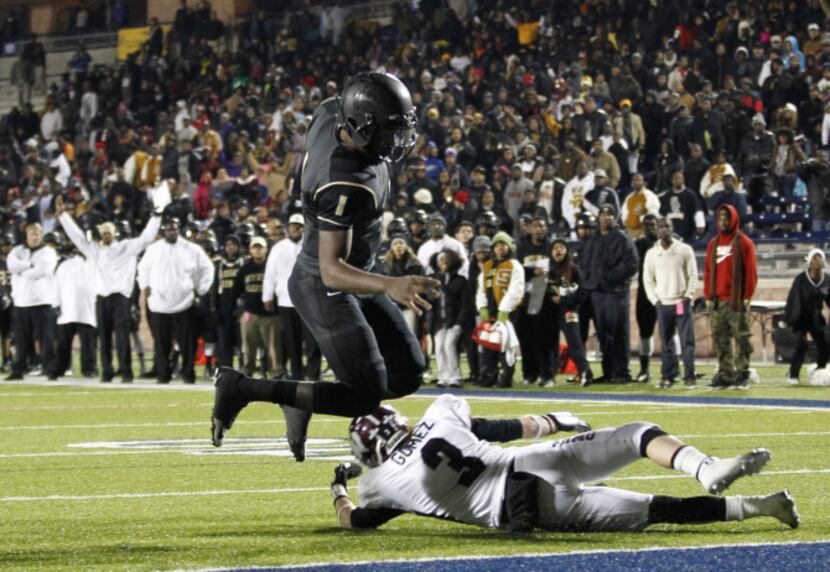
(442, 470)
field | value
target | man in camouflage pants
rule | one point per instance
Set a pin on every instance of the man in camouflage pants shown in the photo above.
(729, 281)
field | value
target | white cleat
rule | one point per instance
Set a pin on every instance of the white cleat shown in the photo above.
(783, 508)
(719, 474)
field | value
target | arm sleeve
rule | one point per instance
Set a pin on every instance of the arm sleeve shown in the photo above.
(652, 203)
(700, 219)
(626, 266)
(650, 279)
(373, 517)
(238, 284)
(691, 274)
(144, 270)
(706, 265)
(75, 234)
(497, 430)
(15, 263)
(147, 236)
(750, 268)
(516, 289)
(568, 209)
(204, 272)
(44, 264)
(269, 281)
(341, 205)
(481, 296)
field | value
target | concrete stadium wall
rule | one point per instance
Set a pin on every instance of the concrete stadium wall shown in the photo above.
(768, 290)
(56, 62)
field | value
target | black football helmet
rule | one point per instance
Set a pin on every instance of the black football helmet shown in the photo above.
(209, 245)
(586, 220)
(123, 229)
(376, 111)
(375, 436)
(396, 226)
(488, 218)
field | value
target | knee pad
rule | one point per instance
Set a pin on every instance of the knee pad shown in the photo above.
(639, 434)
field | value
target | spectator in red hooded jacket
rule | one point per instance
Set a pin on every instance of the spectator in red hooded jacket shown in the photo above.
(729, 280)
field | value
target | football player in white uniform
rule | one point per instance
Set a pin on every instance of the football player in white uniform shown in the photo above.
(446, 466)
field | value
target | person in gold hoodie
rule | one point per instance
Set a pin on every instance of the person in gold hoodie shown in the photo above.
(501, 287)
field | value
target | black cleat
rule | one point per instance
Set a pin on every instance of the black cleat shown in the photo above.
(227, 403)
(296, 430)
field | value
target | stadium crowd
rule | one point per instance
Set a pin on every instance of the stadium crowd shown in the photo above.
(552, 136)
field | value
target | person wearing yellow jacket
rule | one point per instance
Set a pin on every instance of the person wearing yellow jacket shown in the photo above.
(501, 287)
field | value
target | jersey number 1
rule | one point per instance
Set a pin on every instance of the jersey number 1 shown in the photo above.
(468, 468)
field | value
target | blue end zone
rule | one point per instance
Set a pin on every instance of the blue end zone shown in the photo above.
(638, 398)
(806, 557)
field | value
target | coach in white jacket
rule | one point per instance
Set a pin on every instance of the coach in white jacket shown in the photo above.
(114, 263)
(32, 266)
(275, 287)
(172, 273)
(438, 241)
(670, 280)
(294, 332)
(76, 302)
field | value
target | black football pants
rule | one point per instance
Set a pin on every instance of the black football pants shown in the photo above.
(113, 315)
(366, 342)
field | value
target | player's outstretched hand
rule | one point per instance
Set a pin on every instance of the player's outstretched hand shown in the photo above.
(567, 421)
(410, 291)
(346, 472)
(342, 474)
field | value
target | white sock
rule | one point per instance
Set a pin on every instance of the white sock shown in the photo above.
(735, 508)
(742, 507)
(689, 460)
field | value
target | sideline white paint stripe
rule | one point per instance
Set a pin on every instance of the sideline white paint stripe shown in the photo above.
(163, 494)
(377, 564)
(317, 489)
(24, 408)
(168, 424)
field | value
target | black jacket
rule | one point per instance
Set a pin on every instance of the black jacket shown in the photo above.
(448, 309)
(608, 262)
(248, 285)
(805, 302)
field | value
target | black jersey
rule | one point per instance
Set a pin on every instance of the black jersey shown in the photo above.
(341, 189)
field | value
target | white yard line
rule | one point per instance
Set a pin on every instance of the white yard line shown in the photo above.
(318, 489)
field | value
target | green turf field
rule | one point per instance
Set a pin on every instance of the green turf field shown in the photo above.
(114, 478)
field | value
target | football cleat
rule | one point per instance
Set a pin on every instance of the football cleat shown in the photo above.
(296, 429)
(643, 377)
(718, 474)
(783, 508)
(227, 403)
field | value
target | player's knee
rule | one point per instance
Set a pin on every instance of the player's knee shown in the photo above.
(405, 384)
(640, 433)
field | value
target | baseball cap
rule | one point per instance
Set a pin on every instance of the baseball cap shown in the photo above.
(600, 173)
(608, 208)
(482, 244)
(423, 196)
(258, 241)
(106, 227)
(296, 218)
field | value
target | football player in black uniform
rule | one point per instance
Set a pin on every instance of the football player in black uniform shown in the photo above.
(349, 309)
